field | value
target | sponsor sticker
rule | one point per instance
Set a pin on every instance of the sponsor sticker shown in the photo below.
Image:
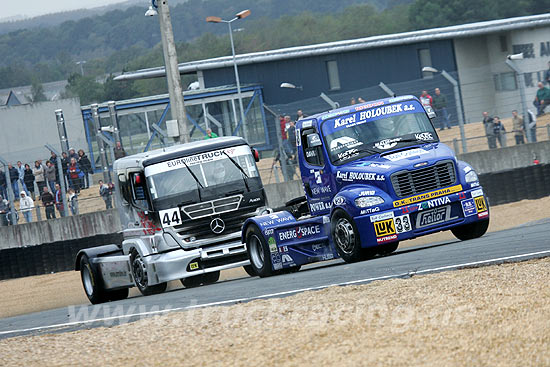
(339, 200)
(483, 215)
(299, 232)
(384, 227)
(392, 237)
(427, 196)
(480, 204)
(405, 154)
(478, 192)
(272, 244)
(387, 143)
(424, 136)
(469, 207)
(370, 210)
(194, 266)
(382, 216)
(359, 176)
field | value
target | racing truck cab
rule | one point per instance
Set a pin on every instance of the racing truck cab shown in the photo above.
(181, 211)
(373, 174)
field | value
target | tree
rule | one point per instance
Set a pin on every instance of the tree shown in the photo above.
(37, 92)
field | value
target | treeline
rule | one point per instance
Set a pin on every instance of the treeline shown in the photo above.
(126, 40)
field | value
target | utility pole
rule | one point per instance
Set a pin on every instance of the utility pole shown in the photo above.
(172, 72)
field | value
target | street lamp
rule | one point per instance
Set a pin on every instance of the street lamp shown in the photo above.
(291, 86)
(453, 81)
(241, 15)
(521, 82)
(81, 63)
(171, 65)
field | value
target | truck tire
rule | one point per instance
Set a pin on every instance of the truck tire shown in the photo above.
(471, 231)
(92, 285)
(388, 249)
(202, 279)
(346, 238)
(258, 252)
(139, 272)
(250, 271)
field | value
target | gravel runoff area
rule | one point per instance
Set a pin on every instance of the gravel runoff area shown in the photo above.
(495, 315)
(36, 293)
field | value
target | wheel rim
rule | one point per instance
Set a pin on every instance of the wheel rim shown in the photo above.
(256, 252)
(87, 280)
(140, 272)
(344, 236)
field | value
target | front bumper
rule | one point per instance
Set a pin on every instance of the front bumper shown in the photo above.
(179, 264)
(422, 218)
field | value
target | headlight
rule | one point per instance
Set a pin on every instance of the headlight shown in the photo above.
(367, 201)
(471, 176)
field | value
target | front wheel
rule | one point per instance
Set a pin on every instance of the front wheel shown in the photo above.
(471, 230)
(258, 252)
(346, 238)
(141, 277)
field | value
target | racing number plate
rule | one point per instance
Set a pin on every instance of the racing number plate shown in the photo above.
(433, 216)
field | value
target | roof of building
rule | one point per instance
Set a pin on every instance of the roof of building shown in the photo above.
(433, 34)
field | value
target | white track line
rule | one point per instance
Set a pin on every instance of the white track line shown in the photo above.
(270, 295)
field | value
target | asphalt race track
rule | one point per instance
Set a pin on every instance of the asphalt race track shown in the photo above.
(517, 244)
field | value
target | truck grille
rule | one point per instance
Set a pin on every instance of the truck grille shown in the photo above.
(407, 183)
(217, 206)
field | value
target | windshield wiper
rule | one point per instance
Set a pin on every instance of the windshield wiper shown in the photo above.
(245, 177)
(367, 150)
(196, 180)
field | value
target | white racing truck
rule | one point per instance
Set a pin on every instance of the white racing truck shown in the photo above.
(181, 210)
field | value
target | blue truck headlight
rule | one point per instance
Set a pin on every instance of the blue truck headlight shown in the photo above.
(471, 177)
(368, 201)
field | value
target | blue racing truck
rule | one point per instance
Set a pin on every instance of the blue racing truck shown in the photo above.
(373, 174)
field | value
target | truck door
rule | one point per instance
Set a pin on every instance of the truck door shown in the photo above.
(317, 182)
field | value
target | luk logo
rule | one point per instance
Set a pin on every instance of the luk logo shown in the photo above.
(480, 204)
(384, 227)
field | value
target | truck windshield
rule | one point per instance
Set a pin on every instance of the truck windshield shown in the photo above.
(202, 176)
(377, 130)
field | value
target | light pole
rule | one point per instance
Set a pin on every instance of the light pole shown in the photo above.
(171, 65)
(521, 82)
(81, 63)
(241, 15)
(458, 103)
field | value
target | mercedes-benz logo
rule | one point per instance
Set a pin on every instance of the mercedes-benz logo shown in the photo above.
(217, 225)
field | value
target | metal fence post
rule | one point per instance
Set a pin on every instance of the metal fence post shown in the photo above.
(455, 145)
(61, 180)
(9, 187)
(100, 144)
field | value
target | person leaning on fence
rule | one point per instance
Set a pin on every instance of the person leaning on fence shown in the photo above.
(48, 201)
(500, 131)
(210, 134)
(26, 204)
(542, 99)
(4, 210)
(72, 200)
(106, 194)
(488, 124)
(518, 128)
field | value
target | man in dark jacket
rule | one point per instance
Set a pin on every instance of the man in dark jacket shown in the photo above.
(85, 166)
(119, 151)
(3, 187)
(48, 202)
(14, 178)
(440, 106)
(489, 126)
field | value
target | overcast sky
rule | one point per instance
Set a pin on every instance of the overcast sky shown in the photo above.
(33, 8)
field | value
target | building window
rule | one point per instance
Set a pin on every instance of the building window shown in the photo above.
(333, 76)
(425, 59)
(503, 43)
(505, 82)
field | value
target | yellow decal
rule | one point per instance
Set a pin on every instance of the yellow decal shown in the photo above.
(427, 196)
(384, 227)
(480, 204)
(194, 266)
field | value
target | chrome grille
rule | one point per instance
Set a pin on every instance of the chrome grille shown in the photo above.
(217, 206)
(407, 183)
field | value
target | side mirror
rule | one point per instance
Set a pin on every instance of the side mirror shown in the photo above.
(313, 140)
(256, 154)
(430, 111)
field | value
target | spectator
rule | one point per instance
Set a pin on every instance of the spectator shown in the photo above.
(426, 99)
(300, 115)
(210, 134)
(500, 131)
(48, 202)
(25, 205)
(547, 75)
(287, 146)
(518, 127)
(51, 175)
(75, 175)
(21, 169)
(489, 125)
(39, 176)
(360, 100)
(28, 179)
(3, 187)
(353, 101)
(14, 178)
(106, 195)
(292, 139)
(53, 160)
(532, 125)
(542, 99)
(119, 151)
(290, 167)
(72, 154)
(72, 199)
(4, 210)
(282, 123)
(440, 106)
(85, 166)
(59, 200)
(64, 166)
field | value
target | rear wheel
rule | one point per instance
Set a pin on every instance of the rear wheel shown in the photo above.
(141, 277)
(202, 279)
(258, 252)
(471, 230)
(346, 238)
(92, 285)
